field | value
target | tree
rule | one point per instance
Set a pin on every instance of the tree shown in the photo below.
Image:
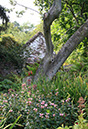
(50, 64)
(3, 17)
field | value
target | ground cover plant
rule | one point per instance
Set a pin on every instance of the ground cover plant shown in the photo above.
(45, 104)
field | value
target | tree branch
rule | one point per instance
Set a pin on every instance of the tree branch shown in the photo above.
(82, 9)
(28, 8)
(67, 49)
(72, 11)
(49, 17)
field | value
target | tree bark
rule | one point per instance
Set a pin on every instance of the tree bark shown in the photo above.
(49, 17)
(50, 65)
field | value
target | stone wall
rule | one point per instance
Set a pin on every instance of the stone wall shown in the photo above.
(35, 48)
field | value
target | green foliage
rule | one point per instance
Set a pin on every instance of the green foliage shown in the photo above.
(64, 127)
(38, 28)
(15, 122)
(81, 123)
(30, 68)
(10, 50)
(43, 5)
(3, 121)
(20, 32)
(6, 84)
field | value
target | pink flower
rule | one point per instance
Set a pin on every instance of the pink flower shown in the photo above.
(56, 93)
(49, 102)
(29, 91)
(47, 113)
(29, 102)
(12, 95)
(30, 98)
(27, 112)
(46, 105)
(22, 92)
(55, 105)
(67, 100)
(23, 84)
(10, 90)
(42, 106)
(29, 87)
(62, 101)
(46, 116)
(5, 95)
(35, 109)
(52, 104)
(5, 101)
(10, 110)
(61, 114)
(41, 115)
(53, 115)
(43, 102)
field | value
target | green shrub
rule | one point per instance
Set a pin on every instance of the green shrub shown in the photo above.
(6, 84)
(10, 50)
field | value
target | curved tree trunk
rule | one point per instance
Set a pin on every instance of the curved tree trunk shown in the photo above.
(50, 65)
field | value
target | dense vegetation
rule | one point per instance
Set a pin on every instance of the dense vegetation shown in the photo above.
(46, 104)
(58, 104)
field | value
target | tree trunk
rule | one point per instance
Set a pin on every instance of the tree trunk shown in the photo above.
(50, 65)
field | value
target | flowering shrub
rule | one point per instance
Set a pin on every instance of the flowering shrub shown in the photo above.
(37, 110)
(43, 106)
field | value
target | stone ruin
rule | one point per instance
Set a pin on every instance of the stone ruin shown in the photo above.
(34, 51)
(35, 48)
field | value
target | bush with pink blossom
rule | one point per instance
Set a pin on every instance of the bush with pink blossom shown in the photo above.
(42, 105)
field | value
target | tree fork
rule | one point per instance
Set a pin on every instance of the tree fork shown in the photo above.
(67, 49)
(47, 66)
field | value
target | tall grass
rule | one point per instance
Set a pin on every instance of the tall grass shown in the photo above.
(67, 84)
